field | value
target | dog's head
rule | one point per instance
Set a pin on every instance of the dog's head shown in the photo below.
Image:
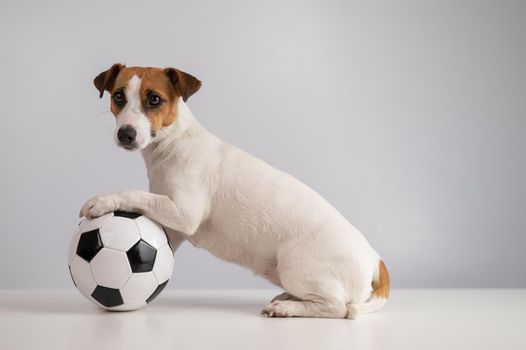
(144, 100)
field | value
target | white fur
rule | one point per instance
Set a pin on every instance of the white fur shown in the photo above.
(239, 208)
(133, 115)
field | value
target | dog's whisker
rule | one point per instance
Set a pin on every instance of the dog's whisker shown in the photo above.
(99, 114)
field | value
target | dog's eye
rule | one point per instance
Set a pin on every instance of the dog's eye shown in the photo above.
(118, 98)
(154, 100)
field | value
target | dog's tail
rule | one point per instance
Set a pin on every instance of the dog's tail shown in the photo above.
(379, 295)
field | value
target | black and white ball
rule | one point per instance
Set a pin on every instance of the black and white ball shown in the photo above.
(120, 261)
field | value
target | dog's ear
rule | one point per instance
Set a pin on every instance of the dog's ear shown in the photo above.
(106, 79)
(184, 83)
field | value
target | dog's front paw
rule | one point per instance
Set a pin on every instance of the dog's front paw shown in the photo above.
(98, 206)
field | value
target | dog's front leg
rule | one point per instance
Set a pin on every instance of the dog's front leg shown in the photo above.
(183, 213)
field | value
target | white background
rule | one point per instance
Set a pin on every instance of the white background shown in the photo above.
(408, 116)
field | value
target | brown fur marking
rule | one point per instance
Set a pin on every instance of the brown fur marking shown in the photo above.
(105, 80)
(381, 287)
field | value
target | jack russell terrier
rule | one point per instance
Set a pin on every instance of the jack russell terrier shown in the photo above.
(239, 208)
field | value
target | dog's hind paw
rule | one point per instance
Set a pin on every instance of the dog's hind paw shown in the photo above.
(279, 308)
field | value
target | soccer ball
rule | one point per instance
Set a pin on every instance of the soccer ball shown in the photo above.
(120, 261)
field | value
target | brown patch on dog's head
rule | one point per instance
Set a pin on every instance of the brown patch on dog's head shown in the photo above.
(186, 84)
(106, 79)
(159, 91)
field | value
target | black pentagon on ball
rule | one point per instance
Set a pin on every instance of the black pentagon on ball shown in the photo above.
(141, 257)
(108, 297)
(157, 291)
(89, 245)
(126, 214)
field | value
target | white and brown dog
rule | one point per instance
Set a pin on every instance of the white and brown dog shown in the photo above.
(236, 206)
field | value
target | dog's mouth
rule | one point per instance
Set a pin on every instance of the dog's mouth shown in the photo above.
(129, 147)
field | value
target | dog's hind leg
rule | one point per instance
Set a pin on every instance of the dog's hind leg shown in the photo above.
(318, 282)
(308, 299)
(284, 296)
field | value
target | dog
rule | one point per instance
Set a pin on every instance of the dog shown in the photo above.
(239, 208)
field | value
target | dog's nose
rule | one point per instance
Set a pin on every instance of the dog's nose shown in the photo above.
(126, 134)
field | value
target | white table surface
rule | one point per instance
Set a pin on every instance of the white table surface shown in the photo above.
(229, 319)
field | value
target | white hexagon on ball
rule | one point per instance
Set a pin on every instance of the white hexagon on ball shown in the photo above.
(119, 233)
(138, 288)
(110, 268)
(82, 277)
(164, 264)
